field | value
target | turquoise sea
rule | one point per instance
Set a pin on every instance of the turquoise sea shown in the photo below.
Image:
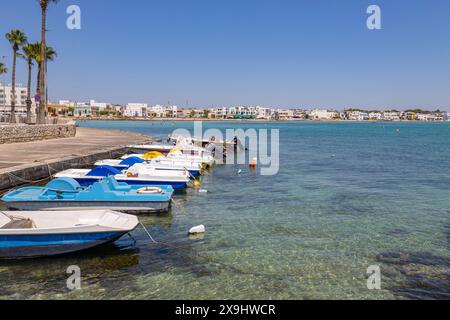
(348, 196)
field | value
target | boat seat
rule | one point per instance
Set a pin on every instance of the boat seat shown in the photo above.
(19, 224)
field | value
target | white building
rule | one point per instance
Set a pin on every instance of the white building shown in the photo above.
(136, 110)
(82, 109)
(100, 106)
(323, 114)
(6, 97)
(67, 103)
(263, 113)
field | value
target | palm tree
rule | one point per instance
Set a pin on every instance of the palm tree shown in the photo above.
(30, 52)
(49, 56)
(17, 39)
(42, 102)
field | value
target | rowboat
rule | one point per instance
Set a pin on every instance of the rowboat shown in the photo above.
(41, 233)
(65, 194)
(136, 175)
(194, 167)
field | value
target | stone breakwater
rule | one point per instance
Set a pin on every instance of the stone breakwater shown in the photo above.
(24, 133)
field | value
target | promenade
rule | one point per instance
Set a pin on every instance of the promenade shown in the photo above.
(31, 161)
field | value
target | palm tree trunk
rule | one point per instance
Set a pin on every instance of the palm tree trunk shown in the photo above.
(38, 90)
(42, 101)
(29, 102)
(13, 98)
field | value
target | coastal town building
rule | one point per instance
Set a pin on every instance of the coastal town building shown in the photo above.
(6, 97)
(136, 110)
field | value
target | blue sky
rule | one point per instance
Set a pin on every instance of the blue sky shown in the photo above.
(282, 53)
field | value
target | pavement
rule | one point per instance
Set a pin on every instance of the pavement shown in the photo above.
(87, 141)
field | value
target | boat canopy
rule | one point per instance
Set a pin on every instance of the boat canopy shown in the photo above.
(64, 184)
(103, 171)
(131, 161)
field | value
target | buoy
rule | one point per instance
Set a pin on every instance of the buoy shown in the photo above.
(253, 162)
(197, 184)
(198, 230)
(240, 171)
(202, 191)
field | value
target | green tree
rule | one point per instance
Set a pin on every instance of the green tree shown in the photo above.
(42, 65)
(17, 39)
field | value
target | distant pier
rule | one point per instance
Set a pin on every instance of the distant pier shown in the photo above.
(31, 162)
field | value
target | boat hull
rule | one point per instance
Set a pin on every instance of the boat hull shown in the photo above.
(86, 182)
(35, 246)
(141, 207)
(194, 173)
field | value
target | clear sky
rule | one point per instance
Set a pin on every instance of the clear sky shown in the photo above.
(281, 53)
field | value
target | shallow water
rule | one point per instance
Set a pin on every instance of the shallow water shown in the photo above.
(348, 196)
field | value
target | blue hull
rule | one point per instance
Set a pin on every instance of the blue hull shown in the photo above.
(29, 246)
(195, 173)
(86, 182)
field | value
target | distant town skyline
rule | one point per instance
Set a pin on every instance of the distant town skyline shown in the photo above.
(226, 53)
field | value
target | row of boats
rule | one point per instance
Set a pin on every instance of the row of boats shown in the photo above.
(84, 208)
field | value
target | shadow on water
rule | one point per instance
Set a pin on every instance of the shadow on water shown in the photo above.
(418, 275)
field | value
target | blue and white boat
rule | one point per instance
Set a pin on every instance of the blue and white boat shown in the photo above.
(41, 233)
(195, 168)
(136, 175)
(66, 194)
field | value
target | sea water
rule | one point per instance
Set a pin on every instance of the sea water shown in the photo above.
(348, 196)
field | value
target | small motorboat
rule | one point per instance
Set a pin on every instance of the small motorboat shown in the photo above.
(40, 233)
(194, 167)
(65, 194)
(136, 175)
(164, 149)
(204, 158)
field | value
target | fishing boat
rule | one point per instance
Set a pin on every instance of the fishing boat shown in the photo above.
(65, 194)
(41, 233)
(194, 167)
(136, 175)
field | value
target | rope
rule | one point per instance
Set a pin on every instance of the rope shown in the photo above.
(148, 233)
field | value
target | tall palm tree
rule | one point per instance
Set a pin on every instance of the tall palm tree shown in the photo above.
(17, 39)
(42, 102)
(30, 51)
(49, 56)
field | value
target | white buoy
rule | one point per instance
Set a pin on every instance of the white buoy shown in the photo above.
(202, 191)
(198, 230)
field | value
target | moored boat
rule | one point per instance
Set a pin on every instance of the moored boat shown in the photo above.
(65, 194)
(136, 175)
(40, 233)
(194, 167)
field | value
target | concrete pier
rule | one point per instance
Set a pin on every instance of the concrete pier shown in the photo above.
(21, 163)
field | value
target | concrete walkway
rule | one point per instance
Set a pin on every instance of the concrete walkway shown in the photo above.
(86, 141)
(30, 161)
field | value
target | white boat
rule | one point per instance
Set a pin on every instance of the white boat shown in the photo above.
(152, 147)
(194, 167)
(136, 175)
(41, 233)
